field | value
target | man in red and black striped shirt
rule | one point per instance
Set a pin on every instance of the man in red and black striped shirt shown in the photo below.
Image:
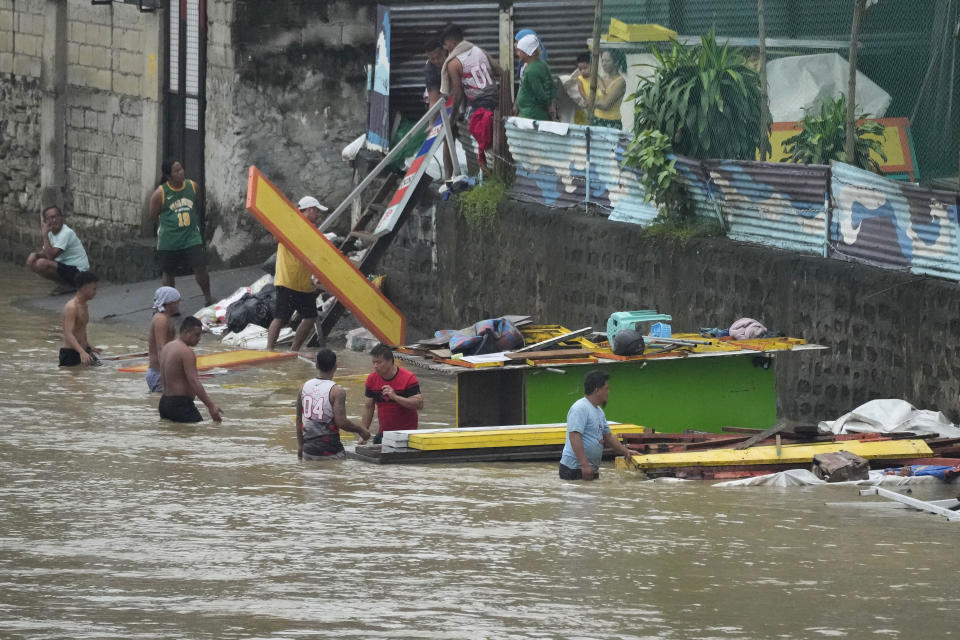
(395, 392)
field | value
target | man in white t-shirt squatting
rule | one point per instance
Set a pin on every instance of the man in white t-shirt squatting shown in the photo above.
(588, 431)
(61, 256)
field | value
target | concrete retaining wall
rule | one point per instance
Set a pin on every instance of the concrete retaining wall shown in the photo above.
(285, 92)
(890, 334)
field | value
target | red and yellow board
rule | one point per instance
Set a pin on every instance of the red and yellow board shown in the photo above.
(332, 269)
(896, 144)
(237, 358)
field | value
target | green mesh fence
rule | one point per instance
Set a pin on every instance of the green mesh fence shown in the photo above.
(907, 47)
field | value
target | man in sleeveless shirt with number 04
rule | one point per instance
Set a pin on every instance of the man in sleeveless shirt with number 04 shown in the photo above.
(175, 207)
(322, 413)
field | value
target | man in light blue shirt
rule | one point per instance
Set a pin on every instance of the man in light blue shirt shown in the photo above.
(61, 256)
(588, 431)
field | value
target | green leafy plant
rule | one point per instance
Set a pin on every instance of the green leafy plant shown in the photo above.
(823, 135)
(705, 99)
(479, 206)
(648, 153)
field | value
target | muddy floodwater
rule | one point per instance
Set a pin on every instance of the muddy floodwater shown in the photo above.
(114, 524)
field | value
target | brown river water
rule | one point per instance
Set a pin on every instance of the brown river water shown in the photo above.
(114, 524)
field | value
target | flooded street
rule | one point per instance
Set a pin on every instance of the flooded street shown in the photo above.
(116, 524)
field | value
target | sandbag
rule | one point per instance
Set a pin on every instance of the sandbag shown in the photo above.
(252, 308)
(840, 466)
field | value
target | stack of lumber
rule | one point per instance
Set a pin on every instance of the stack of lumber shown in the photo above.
(736, 455)
(473, 444)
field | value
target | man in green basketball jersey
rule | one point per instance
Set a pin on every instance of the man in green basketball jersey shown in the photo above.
(175, 207)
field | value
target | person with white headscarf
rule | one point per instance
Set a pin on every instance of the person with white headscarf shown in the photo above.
(166, 305)
(536, 97)
(543, 50)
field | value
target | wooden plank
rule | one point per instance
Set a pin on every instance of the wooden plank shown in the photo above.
(237, 358)
(763, 435)
(549, 354)
(555, 340)
(949, 514)
(332, 269)
(748, 430)
(399, 438)
(469, 365)
(790, 454)
(553, 363)
(127, 356)
(477, 438)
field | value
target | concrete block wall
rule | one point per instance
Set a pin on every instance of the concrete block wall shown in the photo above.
(20, 99)
(80, 110)
(891, 335)
(21, 37)
(21, 43)
(105, 62)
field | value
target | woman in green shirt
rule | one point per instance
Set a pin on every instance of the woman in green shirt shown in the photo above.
(536, 98)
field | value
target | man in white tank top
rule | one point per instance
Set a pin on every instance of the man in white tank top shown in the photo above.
(322, 413)
(471, 76)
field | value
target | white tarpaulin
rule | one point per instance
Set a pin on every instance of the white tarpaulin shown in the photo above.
(805, 478)
(803, 82)
(889, 416)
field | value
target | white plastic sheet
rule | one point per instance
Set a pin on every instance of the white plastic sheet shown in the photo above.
(890, 416)
(806, 478)
(254, 337)
(804, 82)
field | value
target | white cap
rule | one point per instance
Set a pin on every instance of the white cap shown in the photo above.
(309, 201)
(528, 44)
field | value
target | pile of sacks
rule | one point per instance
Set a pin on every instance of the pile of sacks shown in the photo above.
(242, 317)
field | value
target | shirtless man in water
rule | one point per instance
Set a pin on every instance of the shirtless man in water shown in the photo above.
(166, 305)
(181, 384)
(76, 349)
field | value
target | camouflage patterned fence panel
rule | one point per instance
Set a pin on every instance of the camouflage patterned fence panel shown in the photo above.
(872, 219)
(551, 169)
(776, 204)
(696, 179)
(893, 224)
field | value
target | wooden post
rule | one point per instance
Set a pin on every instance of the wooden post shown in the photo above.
(764, 97)
(595, 58)
(502, 164)
(859, 7)
(506, 49)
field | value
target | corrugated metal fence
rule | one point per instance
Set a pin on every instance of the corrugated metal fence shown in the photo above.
(893, 224)
(840, 211)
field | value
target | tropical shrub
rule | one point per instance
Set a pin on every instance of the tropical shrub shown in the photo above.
(705, 99)
(648, 153)
(479, 206)
(823, 136)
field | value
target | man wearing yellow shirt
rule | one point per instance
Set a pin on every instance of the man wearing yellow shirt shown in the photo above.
(295, 290)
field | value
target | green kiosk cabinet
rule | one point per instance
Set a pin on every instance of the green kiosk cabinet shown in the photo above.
(701, 391)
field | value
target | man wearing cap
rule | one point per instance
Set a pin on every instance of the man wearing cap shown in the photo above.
(166, 305)
(536, 97)
(294, 287)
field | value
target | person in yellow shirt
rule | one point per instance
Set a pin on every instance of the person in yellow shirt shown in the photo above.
(295, 290)
(577, 85)
(611, 87)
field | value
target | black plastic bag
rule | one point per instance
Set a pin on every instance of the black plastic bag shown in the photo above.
(252, 308)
